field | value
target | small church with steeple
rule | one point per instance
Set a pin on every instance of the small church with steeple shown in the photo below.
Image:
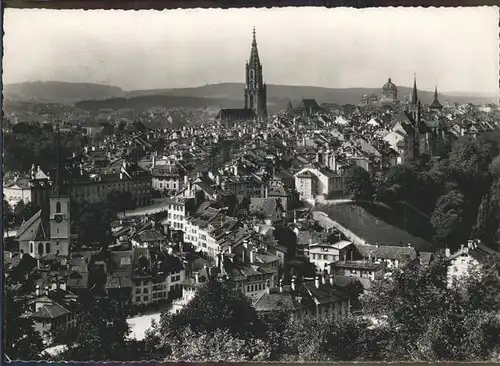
(255, 93)
(48, 232)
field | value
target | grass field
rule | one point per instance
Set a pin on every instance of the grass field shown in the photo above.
(396, 226)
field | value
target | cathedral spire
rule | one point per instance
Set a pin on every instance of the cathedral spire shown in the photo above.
(436, 93)
(254, 53)
(414, 95)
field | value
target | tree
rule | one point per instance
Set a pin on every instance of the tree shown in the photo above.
(217, 305)
(358, 184)
(428, 316)
(287, 238)
(119, 201)
(447, 219)
(22, 341)
(487, 226)
(92, 223)
(103, 332)
(398, 184)
(218, 345)
(23, 212)
(7, 214)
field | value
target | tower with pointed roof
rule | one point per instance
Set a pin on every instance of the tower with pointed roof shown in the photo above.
(414, 107)
(59, 212)
(436, 106)
(255, 88)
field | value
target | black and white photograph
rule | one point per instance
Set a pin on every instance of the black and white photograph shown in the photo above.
(299, 184)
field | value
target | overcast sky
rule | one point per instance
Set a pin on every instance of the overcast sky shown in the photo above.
(456, 48)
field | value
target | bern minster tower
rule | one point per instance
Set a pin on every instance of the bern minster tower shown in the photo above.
(255, 89)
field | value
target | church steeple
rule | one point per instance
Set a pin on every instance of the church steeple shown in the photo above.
(414, 94)
(436, 106)
(255, 88)
(254, 53)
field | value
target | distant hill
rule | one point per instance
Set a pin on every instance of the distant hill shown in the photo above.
(279, 93)
(59, 92)
(226, 94)
(148, 101)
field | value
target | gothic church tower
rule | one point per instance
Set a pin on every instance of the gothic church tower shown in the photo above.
(255, 88)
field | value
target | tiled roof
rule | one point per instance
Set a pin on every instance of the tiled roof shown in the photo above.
(324, 293)
(33, 228)
(387, 252)
(268, 206)
(356, 265)
(277, 300)
(151, 235)
(232, 114)
(52, 311)
(307, 174)
(119, 279)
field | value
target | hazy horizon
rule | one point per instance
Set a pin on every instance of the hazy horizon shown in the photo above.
(453, 48)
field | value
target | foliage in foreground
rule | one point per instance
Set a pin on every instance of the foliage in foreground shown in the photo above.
(420, 317)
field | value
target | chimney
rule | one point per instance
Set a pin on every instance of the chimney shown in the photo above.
(153, 162)
(235, 169)
(62, 285)
(252, 256)
(316, 282)
(331, 279)
(54, 286)
(37, 290)
(46, 290)
(196, 277)
(470, 244)
(293, 283)
(461, 247)
(266, 191)
(447, 252)
(323, 279)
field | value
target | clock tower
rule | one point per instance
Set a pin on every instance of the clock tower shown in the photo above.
(60, 224)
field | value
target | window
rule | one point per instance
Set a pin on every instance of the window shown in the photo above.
(137, 299)
(146, 290)
(146, 298)
(137, 290)
(47, 248)
(58, 207)
(31, 248)
(40, 248)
